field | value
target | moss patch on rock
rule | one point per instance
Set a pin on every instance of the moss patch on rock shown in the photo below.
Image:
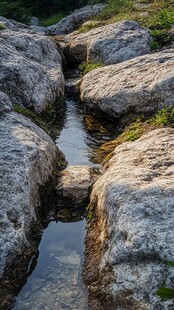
(135, 130)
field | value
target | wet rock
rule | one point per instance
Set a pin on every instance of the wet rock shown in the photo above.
(31, 71)
(140, 85)
(74, 186)
(131, 240)
(108, 44)
(73, 21)
(28, 157)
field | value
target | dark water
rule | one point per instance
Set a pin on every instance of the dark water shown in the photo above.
(56, 283)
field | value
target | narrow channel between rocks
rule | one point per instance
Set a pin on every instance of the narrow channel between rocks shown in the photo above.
(54, 277)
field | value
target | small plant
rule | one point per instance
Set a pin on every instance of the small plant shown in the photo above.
(163, 117)
(166, 292)
(89, 25)
(89, 213)
(86, 66)
(2, 26)
(159, 39)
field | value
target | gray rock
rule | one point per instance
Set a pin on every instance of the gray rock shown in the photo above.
(141, 85)
(73, 21)
(132, 237)
(27, 160)
(34, 21)
(39, 30)
(74, 186)
(108, 44)
(30, 69)
(5, 104)
(12, 24)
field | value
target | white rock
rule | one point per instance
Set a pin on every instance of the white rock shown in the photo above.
(108, 44)
(74, 186)
(140, 85)
(134, 202)
(27, 160)
(73, 21)
(30, 69)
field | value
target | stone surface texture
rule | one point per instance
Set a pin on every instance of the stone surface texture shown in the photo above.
(5, 103)
(74, 21)
(140, 85)
(74, 186)
(108, 44)
(132, 237)
(30, 69)
(26, 151)
(12, 24)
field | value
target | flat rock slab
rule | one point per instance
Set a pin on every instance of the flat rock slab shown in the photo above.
(140, 85)
(132, 239)
(75, 186)
(108, 44)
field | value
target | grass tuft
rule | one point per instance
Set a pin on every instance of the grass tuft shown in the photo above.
(86, 66)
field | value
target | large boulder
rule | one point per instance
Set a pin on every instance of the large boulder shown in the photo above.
(140, 85)
(108, 44)
(30, 69)
(73, 21)
(130, 236)
(28, 158)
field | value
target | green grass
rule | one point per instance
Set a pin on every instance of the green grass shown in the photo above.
(160, 38)
(135, 130)
(51, 20)
(86, 66)
(158, 16)
(90, 25)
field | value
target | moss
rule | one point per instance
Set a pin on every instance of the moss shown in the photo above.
(142, 125)
(49, 114)
(2, 26)
(46, 117)
(86, 66)
(90, 25)
(89, 213)
(31, 115)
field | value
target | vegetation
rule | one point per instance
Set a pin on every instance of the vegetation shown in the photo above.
(21, 10)
(32, 116)
(164, 117)
(2, 26)
(51, 20)
(166, 292)
(89, 25)
(86, 66)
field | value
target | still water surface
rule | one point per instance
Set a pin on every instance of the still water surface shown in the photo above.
(56, 282)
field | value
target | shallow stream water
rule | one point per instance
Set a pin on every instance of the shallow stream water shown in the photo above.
(56, 281)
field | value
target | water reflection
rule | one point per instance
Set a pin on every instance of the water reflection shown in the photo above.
(56, 281)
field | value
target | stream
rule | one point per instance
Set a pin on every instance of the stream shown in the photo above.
(54, 281)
